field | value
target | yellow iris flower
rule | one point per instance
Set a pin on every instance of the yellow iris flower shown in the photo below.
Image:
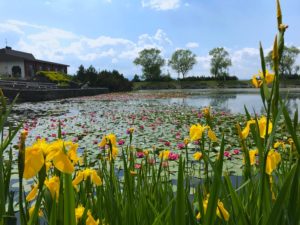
(32, 194)
(246, 130)
(252, 156)
(196, 131)
(262, 124)
(277, 144)
(197, 156)
(60, 159)
(85, 174)
(186, 141)
(90, 220)
(108, 138)
(212, 136)
(259, 79)
(221, 212)
(273, 159)
(34, 161)
(79, 212)
(53, 185)
(164, 154)
(31, 210)
(206, 111)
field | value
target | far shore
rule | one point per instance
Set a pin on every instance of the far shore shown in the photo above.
(238, 85)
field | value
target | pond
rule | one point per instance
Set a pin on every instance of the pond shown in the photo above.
(161, 120)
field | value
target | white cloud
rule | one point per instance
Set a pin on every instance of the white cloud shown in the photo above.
(53, 44)
(192, 45)
(161, 4)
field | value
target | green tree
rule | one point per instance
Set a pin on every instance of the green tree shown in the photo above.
(151, 61)
(220, 62)
(81, 74)
(182, 61)
(287, 62)
(136, 78)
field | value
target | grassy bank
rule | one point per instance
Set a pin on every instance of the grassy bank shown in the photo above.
(205, 84)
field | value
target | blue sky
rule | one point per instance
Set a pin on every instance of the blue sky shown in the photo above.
(108, 34)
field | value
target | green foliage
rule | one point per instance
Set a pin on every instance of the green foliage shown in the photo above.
(52, 76)
(136, 78)
(151, 61)
(220, 62)
(182, 61)
(113, 80)
(287, 65)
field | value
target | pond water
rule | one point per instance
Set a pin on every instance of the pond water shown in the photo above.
(161, 120)
(228, 100)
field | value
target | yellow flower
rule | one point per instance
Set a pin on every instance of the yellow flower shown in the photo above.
(32, 194)
(34, 161)
(262, 124)
(186, 141)
(85, 174)
(31, 210)
(273, 159)
(196, 131)
(79, 212)
(110, 138)
(212, 136)
(59, 158)
(259, 79)
(252, 156)
(206, 111)
(146, 152)
(246, 130)
(53, 186)
(197, 156)
(131, 130)
(90, 220)
(164, 154)
(277, 144)
(222, 212)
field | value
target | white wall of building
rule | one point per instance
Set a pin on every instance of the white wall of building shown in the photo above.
(6, 67)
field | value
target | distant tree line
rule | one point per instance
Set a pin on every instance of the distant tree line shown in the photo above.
(183, 60)
(113, 80)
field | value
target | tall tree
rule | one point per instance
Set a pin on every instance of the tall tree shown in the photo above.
(182, 61)
(287, 62)
(92, 74)
(220, 62)
(151, 61)
(81, 74)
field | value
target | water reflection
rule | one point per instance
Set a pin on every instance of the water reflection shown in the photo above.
(232, 102)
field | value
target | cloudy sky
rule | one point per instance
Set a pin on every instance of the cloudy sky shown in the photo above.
(108, 34)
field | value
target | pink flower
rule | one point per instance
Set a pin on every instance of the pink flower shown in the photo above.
(121, 142)
(180, 145)
(236, 151)
(142, 127)
(167, 143)
(63, 133)
(140, 154)
(173, 156)
(53, 135)
(75, 139)
(227, 154)
(137, 166)
(38, 137)
(151, 161)
(196, 142)
(165, 164)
